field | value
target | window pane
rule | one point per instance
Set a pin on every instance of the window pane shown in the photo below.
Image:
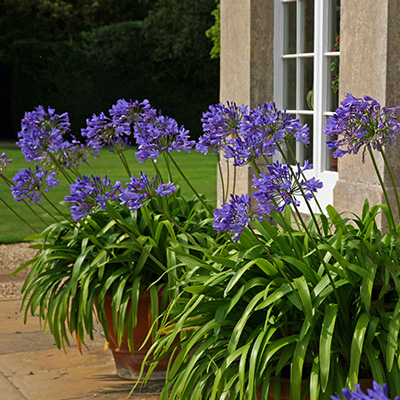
(307, 82)
(289, 84)
(308, 151)
(290, 28)
(333, 83)
(330, 162)
(309, 26)
(334, 25)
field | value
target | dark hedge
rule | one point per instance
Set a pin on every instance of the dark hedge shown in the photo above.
(88, 74)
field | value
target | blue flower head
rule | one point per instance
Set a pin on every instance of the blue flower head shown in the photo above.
(233, 216)
(89, 193)
(261, 133)
(220, 123)
(283, 186)
(30, 184)
(42, 132)
(140, 190)
(361, 124)
(159, 134)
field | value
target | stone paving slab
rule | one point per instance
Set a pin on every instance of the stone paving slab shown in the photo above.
(32, 368)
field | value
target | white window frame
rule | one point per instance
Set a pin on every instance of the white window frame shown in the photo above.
(322, 60)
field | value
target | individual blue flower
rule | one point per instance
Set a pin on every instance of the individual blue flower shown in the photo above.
(4, 161)
(282, 186)
(219, 123)
(140, 190)
(42, 132)
(158, 135)
(30, 184)
(89, 193)
(262, 132)
(233, 216)
(379, 392)
(361, 124)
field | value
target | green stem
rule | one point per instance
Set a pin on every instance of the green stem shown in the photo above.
(221, 175)
(168, 168)
(392, 223)
(123, 159)
(234, 180)
(302, 190)
(389, 169)
(206, 206)
(18, 215)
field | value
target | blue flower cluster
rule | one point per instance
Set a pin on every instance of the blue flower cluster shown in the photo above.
(247, 135)
(115, 130)
(30, 184)
(42, 131)
(156, 135)
(91, 192)
(139, 190)
(361, 124)
(282, 186)
(379, 392)
(233, 216)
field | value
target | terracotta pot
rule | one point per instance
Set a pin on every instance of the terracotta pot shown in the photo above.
(285, 388)
(128, 364)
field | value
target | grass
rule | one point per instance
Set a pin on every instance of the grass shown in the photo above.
(199, 169)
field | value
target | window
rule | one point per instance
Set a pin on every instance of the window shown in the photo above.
(306, 69)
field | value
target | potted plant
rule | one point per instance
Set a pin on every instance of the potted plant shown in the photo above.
(316, 303)
(105, 239)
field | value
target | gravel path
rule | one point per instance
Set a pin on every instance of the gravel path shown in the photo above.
(13, 256)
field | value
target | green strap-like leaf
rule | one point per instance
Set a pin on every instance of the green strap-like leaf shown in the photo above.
(357, 347)
(327, 329)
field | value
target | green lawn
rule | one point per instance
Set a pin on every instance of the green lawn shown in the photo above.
(201, 170)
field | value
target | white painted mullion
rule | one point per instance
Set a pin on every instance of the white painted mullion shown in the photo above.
(318, 84)
(299, 69)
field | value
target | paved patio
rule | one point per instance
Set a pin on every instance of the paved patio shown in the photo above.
(32, 368)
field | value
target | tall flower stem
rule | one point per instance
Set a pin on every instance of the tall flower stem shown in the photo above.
(9, 183)
(221, 175)
(206, 206)
(378, 174)
(123, 159)
(389, 169)
(18, 215)
(301, 189)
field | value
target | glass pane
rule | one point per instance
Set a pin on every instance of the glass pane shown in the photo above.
(308, 151)
(289, 84)
(290, 28)
(330, 162)
(334, 26)
(307, 83)
(309, 26)
(333, 83)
